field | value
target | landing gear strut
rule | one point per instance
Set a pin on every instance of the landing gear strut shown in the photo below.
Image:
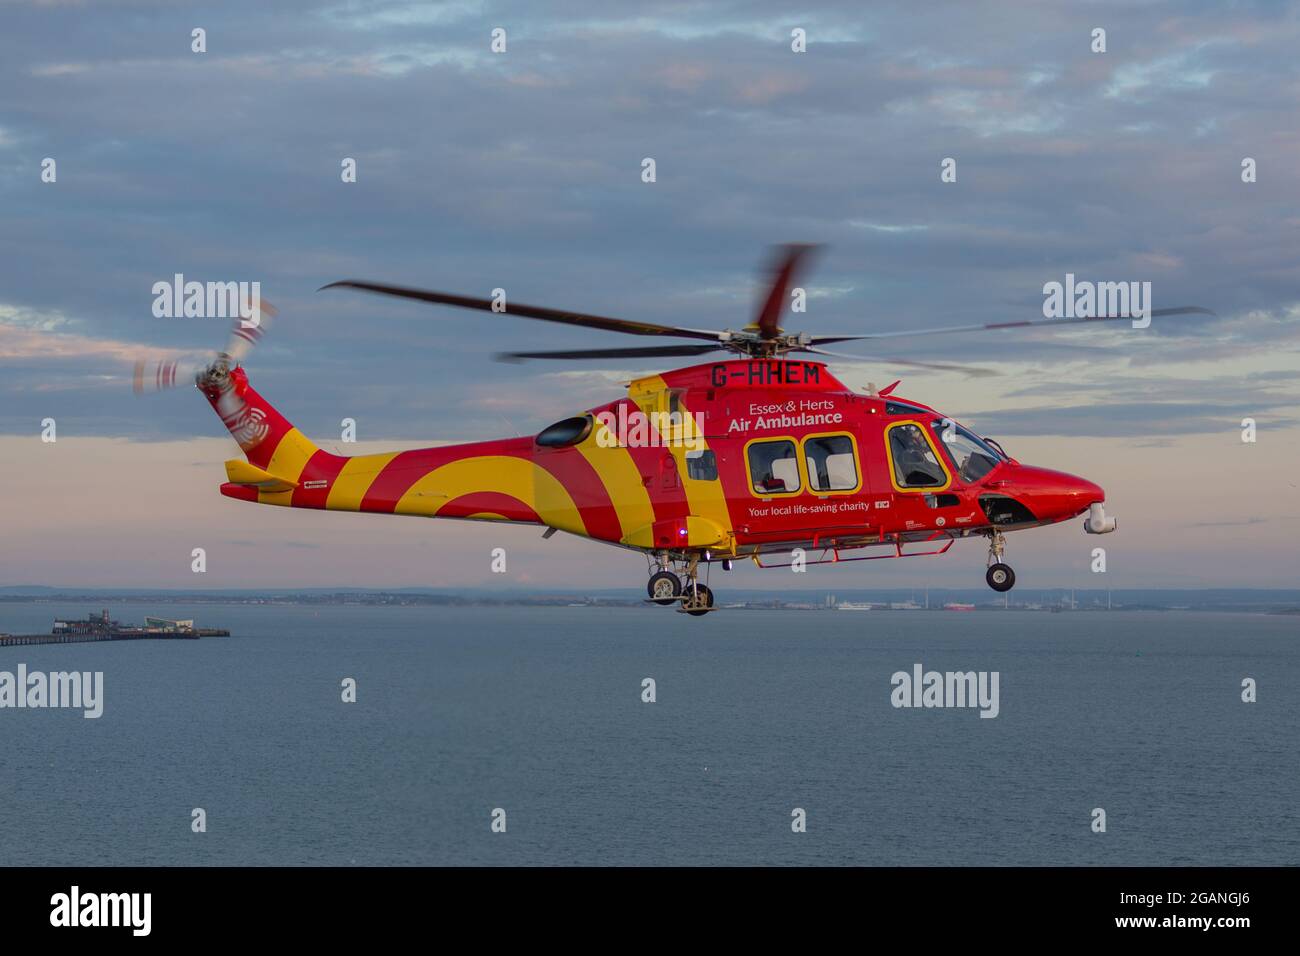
(999, 576)
(682, 587)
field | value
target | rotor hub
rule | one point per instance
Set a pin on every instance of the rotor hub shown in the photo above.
(750, 343)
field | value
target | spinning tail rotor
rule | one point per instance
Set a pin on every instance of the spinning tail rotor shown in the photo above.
(158, 375)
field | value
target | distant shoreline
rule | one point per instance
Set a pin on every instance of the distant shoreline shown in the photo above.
(1051, 600)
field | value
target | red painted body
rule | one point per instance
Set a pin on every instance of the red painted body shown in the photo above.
(842, 491)
(740, 458)
(753, 399)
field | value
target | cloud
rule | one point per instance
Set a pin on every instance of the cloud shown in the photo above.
(1126, 420)
(1256, 520)
(32, 336)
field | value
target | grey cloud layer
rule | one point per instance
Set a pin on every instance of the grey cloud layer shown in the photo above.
(522, 171)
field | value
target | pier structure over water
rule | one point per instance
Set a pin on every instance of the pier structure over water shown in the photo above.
(101, 628)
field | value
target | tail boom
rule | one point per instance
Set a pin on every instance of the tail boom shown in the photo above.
(505, 480)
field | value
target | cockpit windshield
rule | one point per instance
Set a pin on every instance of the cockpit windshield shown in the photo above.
(973, 457)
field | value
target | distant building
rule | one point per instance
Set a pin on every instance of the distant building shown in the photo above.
(101, 623)
(90, 625)
(162, 624)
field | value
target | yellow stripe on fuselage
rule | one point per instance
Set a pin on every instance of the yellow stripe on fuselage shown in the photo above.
(704, 498)
(516, 477)
(621, 477)
(355, 479)
(287, 461)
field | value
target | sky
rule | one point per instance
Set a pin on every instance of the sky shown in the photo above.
(522, 170)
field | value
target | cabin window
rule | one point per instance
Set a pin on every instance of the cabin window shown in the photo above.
(914, 460)
(832, 463)
(773, 467)
(701, 465)
(570, 431)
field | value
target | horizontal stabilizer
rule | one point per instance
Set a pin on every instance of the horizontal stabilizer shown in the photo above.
(241, 472)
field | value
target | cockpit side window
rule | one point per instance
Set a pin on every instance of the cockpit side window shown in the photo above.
(913, 458)
(969, 453)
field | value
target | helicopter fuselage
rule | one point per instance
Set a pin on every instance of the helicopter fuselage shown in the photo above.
(716, 461)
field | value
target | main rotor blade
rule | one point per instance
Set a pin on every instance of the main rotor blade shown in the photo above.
(1029, 323)
(971, 370)
(607, 323)
(649, 351)
(784, 271)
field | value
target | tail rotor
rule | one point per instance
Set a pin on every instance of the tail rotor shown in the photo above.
(159, 375)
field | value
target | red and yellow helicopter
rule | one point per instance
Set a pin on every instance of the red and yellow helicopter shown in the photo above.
(751, 457)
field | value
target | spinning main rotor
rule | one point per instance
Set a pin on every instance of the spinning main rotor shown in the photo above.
(762, 338)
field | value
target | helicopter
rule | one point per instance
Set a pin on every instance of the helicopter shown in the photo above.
(761, 455)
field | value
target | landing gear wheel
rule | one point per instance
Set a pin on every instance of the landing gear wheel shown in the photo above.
(664, 588)
(699, 602)
(1000, 577)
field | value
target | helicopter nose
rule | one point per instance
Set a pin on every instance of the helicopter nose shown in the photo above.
(1054, 495)
(1088, 491)
(1079, 491)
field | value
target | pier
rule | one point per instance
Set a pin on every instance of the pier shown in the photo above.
(101, 628)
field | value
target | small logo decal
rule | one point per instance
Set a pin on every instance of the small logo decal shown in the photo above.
(248, 426)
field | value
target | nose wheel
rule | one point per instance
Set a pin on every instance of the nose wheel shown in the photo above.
(999, 576)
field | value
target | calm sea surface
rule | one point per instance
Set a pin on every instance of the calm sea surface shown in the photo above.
(539, 712)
